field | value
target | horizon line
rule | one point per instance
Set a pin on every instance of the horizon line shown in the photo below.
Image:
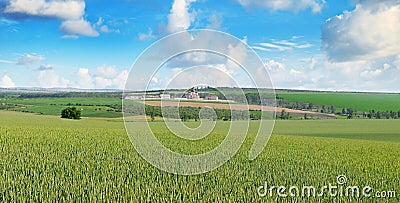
(66, 89)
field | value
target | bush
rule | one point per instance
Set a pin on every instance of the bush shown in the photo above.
(71, 113)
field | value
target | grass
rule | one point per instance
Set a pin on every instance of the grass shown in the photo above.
(362, 102)
(44, 158)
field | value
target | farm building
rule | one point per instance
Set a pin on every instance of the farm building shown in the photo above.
(192, 95)
(165, 96)
(211, 97)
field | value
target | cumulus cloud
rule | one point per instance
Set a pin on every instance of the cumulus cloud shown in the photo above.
(7, 82)
(107, 71)
(211, 75)
(71, 12)
(48, 79)
(273, 65)
(283, 76)
(238, 53)
(285, 5)
(84, 79)
(108, 76)
(72, 9)
(363, 48)
(180, 18)
(370, 31)
(29, 59)
(102, 77)
(78, 27)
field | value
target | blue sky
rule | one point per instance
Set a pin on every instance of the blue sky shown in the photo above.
(307, 44)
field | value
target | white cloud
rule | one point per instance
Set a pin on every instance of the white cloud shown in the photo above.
(71, 12)
(362, 48)
(109, 77)
(215, 21)
(281, 45)
(119, 81)
(146, 36)
(47, 79)
(104, 28)
(78, 27)
(116, 81)
(261, 48)
(368, 32)
(370, 73)
(70, 37)
(295, 72)
(386, 66)
(179, 18)
(272, 65)
(283, 76)
(50, 79)
(238, 53)
(102, 82)
(67, 9)
(274, 46)
(286, 5)
(7, 82)
(216, 76)
(107, 71)
(313, 62)
(84, 79)
(29, 59)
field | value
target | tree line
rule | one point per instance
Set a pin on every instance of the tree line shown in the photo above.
(193, 113)
(330, 109)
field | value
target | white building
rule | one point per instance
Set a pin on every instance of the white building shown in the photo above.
(165, 96)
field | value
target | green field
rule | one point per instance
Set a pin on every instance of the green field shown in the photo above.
(91, 107)
(45, 158)
(362, 102)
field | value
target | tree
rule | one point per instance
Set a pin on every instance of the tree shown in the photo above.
(284, 115)
(310, 106)
(350, 115)
(333, 109)
(392, 114)
(71, 113)
(378, 115)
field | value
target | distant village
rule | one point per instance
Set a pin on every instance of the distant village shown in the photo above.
(192, 94)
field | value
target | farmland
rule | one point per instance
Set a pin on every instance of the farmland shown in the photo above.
(91, 107)
(45, 158)
(362, 102)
